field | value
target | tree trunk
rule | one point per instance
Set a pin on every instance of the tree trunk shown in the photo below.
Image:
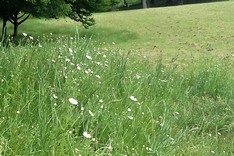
(4, 28)
(126, 3)
(16, 25)
(146, 4)
(15, 21)
(181, 2)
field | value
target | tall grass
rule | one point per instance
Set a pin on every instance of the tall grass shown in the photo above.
(125, 106)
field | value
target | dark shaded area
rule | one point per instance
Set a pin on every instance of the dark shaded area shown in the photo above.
(180, 2)
(165, 3)
(16, 12)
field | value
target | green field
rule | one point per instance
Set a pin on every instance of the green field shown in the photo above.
(154, 82)
(181, 31)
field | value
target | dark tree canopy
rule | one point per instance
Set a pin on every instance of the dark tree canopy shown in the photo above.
(81, 12)
(18, 11)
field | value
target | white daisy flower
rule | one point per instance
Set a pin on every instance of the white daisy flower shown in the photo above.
(133, 98)
(25, 35)
(88, 57)
(73, 101)
(91, 113)
(98, 76)
(87, 135)
(55, 96)
(70, 50)
(130, 117)
(138, 76)
(78, 67)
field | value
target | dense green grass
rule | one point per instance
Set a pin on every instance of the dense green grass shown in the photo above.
(128, 105)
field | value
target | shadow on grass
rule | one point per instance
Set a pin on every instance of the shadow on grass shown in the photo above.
(108, 35)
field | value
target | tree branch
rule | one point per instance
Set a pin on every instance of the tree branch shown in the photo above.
(22, 16)
(11, 20)
(24, 19)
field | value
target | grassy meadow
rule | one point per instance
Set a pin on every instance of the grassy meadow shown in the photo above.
(143, 82)
(180, 32)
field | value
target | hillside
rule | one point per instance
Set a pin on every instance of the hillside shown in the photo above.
(189, 29)
(201, 29)
(64, 93)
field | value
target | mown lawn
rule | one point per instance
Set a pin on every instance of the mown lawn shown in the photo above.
(179, 32)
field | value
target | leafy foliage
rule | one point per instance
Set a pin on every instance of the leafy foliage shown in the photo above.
(81, 12)
(77, 10)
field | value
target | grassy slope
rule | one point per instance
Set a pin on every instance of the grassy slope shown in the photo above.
(198, 30)
(180, 113)
(179, 30)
